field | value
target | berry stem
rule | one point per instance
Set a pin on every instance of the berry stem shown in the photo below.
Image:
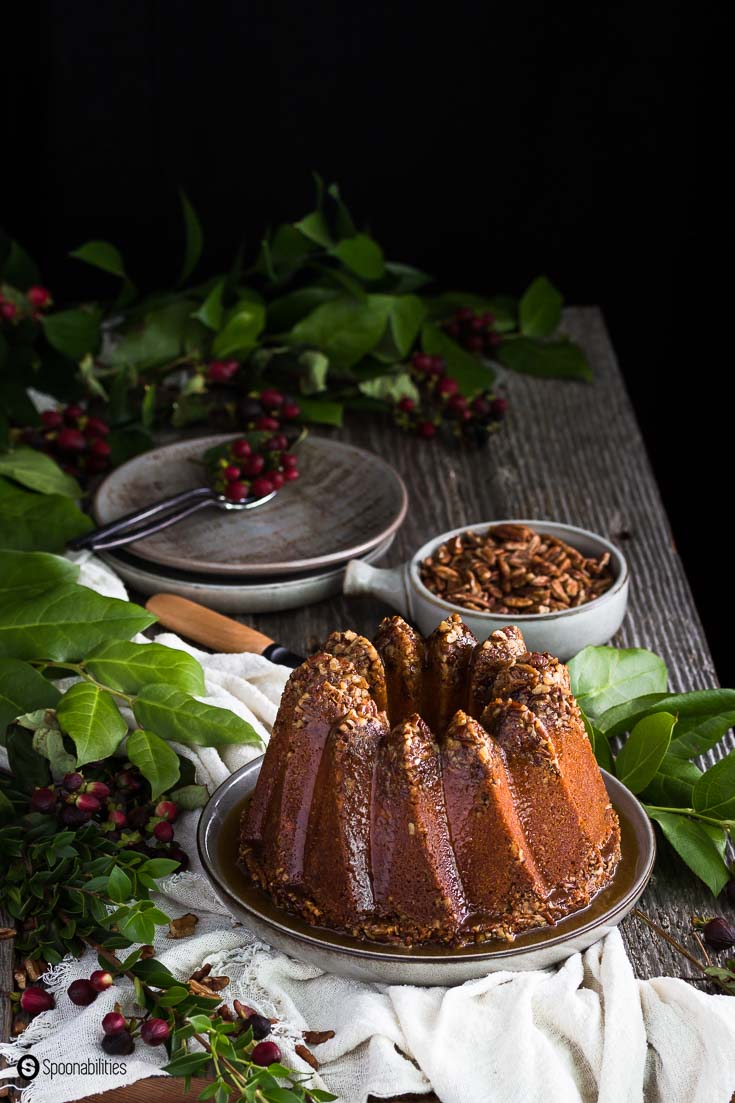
(728, 824)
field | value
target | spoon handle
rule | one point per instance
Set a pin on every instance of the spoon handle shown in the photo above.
(161, 514)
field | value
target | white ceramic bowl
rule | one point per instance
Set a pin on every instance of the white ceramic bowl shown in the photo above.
(561, 633)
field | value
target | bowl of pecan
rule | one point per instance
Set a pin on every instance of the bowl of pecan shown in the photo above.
(567, 587)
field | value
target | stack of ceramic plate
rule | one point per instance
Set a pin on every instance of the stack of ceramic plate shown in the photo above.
(347, 503)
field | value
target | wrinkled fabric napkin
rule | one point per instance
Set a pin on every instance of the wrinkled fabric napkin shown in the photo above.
(585, 1031)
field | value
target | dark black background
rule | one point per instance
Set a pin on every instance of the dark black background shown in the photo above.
(484, 143)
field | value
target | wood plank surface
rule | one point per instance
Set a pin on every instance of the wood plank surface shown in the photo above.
(567, 452)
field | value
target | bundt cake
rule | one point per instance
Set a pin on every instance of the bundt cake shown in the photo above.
(430, 790)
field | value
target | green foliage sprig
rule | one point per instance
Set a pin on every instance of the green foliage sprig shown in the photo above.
(626, 691)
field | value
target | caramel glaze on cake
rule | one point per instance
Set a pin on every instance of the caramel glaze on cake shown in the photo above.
(431, 790)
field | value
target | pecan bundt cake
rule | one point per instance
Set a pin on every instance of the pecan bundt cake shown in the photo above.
(431, 790)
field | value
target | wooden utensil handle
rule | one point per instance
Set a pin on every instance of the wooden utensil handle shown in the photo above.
(195, 622)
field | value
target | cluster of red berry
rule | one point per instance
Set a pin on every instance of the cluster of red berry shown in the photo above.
(120, 808)
(474, 331)
(268, 410)
(37, 298)
(75, 440)
(251, 469)
(440, 403)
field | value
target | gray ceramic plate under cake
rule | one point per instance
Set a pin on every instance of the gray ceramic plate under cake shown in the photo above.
(346, 502)
(217, 840)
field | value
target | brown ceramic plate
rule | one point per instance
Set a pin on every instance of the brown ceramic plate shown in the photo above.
(424, 965)
(346, 502)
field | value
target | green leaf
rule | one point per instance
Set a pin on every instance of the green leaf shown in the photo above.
(600, 746)
(155, 339)
(539, 311)
(697, 848)
(315, 367)
(175, 995)
(22, 573)
(19, 270)
(38, 522)
(152, 973)
(137, 927)
(159, 867)
(704, 717)
(405, 278)
(548, 359)
(283, 313)
(406, 319)
(101, 254)
(49, 742)
(194, 238)
(322, 413)
(605, 676)
(177, 716)
(391, 388)
(91, 718)
(119, 887)
(66, 623)
(211, 311)
(28, 767)
(73, 333)
(643, 752)
(130, 666)
(22, 689)
(242, 329)
(314, 227)
(471, 373)
(38, 472)
(673, 784)
(345, 329)
(714, 793)
(189, 797)
(157, 762)
(362, 255)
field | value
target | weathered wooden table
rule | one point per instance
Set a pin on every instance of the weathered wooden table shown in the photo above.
(567, 452)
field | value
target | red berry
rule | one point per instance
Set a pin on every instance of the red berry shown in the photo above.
(438, 365)
(265, 1053)
(277, 479)
(253, 465)
(231, 473)
(464, 313)
(128, 779)
(446, 387)
(155, 1032)
(290, 474)
(118, 818)
(457, 403)
(163, 831)
(240, 449)
(97, 789)
(289, 460)
(290, 410)
(72, 414)
(222, 371)
(475, 344)
(8, 311)
(269, 424)
(114, 1023)
(167, 810)
(236, 492)
(71, 816)
(481, 406)
(477, 325)
(81, 993)
(426, 429)
(96, 427)
(51, 419)
(71, 440)
(271, 399)
(276, 443)
(260, 1026)
(487, 318)
(261, 486)
(100, 448)
(498, 408)
(407, 405)
(72, 782)
(87, 803)
(38, 296)
(118, 1045)
(43, 800)
(35, 1000)
(422, 362)
(719, 934)
(100, 979)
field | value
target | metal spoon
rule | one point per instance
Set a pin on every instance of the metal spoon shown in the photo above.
(159, 516)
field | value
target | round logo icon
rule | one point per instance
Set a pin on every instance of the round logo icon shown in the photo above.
(28, 1067)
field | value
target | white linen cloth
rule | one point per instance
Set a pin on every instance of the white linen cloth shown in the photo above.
(585, 1031)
